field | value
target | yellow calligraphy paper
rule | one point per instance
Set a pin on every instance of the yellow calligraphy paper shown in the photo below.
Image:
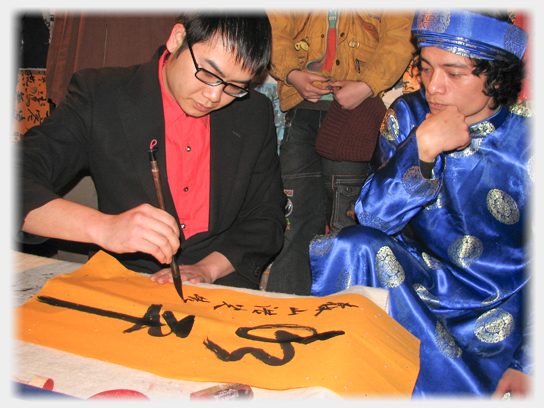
(103, 311)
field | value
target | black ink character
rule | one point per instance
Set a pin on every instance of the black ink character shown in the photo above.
(333, 305)
(265, 310)
(295, 311)
(229, 306)
(284, 338)
(150, 319)
(181, 329)
(197, 298)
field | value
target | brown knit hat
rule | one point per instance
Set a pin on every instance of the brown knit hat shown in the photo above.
(351, 135)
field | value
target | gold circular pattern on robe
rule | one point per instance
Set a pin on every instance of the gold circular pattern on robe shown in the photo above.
(389, 270)
(494, 326)
(465, 250)
(415, 184)
(446, 343)
(502, 206)
(431, 262)
(389, 128)
(343, 281)
(426, 296)
(491, 299)
(371, 220)
(322, 244)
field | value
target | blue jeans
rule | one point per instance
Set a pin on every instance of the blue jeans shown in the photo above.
(321, 193)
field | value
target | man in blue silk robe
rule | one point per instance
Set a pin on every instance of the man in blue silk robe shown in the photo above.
(445, 209)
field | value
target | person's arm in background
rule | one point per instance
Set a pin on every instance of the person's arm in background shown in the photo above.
(386, 65)
(285, 61)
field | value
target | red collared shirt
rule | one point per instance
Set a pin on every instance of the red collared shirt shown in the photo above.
(187, 150)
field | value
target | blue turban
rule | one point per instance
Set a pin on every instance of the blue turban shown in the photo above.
(469, 34)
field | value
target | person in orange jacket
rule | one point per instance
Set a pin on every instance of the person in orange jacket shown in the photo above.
(320, 59)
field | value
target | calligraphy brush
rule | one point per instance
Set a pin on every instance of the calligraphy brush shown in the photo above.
(158, 188)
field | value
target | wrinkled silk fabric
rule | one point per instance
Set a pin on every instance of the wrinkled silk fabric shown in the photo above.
(453, 250)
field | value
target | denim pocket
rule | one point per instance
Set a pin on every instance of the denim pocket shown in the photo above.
(346, 190)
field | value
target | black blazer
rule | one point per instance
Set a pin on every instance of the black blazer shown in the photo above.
(106, 124)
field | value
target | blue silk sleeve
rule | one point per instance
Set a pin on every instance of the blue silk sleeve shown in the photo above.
(395, 184)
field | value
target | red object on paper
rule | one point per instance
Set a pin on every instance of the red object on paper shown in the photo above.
(119, 394)
(42, 382)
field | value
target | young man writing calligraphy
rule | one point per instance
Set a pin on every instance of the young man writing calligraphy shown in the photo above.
(216, 152)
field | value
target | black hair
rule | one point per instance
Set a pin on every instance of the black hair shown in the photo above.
(503, 79)
(499, 14)
(247, 34)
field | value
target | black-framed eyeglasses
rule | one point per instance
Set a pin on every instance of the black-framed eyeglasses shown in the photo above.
(208, 78)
